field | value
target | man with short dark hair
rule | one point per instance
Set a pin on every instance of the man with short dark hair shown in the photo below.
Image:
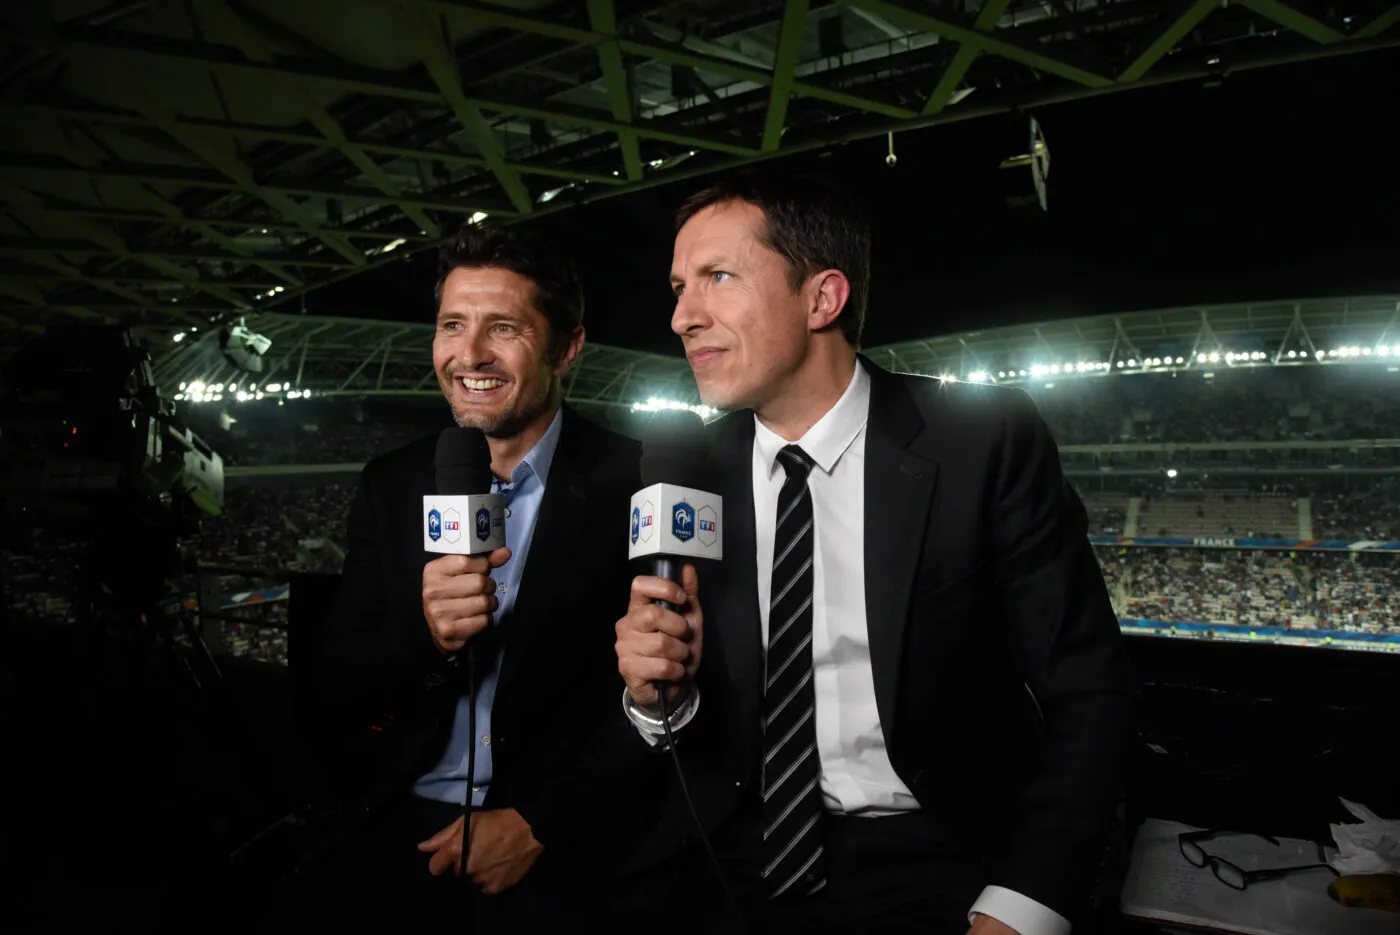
(509, 326)
(906, 705)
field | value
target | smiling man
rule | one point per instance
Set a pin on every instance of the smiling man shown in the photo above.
(509, 327)
(906, 703)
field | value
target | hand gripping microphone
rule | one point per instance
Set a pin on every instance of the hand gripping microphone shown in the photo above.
(673, 518)
(464, 518)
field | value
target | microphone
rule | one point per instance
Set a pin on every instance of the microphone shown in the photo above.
(464, 517)
(673, 517)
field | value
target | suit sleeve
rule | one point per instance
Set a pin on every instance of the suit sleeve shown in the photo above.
(363, 658)
(1070, 651)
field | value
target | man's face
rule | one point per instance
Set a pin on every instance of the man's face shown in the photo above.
(745, 331)
(491, 351)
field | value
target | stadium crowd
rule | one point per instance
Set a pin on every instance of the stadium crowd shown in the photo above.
(1294, 590)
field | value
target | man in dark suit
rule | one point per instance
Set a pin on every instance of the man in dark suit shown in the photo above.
(509, 325)
(906, 704)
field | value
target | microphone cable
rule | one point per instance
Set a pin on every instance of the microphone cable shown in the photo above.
(468, 805)
(694, 814)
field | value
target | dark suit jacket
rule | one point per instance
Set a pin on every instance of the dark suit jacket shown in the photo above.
(1000, 674)
(378, 674)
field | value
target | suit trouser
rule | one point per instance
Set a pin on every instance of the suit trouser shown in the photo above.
(885, 876)
(378, 882)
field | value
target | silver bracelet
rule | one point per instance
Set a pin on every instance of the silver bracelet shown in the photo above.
(649, 722)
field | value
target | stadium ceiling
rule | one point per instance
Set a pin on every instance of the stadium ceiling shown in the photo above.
(355, 357)
(174, 163)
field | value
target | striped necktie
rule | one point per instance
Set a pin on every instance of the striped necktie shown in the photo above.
(792, 798)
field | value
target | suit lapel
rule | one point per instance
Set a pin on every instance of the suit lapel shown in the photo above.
(563, 512)
(733, 612)
(899, 489)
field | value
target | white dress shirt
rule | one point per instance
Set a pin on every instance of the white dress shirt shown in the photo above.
(857, 777)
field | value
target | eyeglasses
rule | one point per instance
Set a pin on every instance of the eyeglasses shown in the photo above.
(1233, 875)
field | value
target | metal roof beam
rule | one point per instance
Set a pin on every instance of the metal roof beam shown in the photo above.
(987, 19)
(201, 178)
(119, 279)
(794, 24)
(230, 165)
(480, 14)
(1380, 24)
(1187, 17)
(31, 206)
(369, 81)
(442, 67)
(82, 247)
(932, 23)
(1289, 18)
(603, 18)
(92, 113)
(239, 224)
(220, 12)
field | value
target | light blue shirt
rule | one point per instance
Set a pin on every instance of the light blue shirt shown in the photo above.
(447, 782)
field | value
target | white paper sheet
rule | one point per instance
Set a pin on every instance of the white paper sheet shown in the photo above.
(1162, 886)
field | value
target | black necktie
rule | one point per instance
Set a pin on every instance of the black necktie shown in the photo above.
(792, 796)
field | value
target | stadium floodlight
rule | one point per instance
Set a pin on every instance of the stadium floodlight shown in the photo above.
(1383, 351)
(179, 336)
(655, 404)
(1132, 361)
(257, 395)
(242, 396)
(305, 394)
(1214, 357)
(294, 394)
(179, 396)
(1171, 472)
(274, 387)
(1023, 373)
(1365, 352)
(243, 348)
(1302, 353)
(977, 376)
(1001, 374)
(478, 217)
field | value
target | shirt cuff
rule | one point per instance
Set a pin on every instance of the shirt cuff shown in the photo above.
(650, 726)
(1021, 913)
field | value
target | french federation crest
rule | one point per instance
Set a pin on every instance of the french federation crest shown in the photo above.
(434, 525)
(636, 523)
(683, 521)
(483, 524)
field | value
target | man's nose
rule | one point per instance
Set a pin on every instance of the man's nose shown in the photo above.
(690, 315)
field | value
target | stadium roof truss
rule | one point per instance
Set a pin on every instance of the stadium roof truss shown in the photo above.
(169, 164)
(1277, 333)
(356, 357)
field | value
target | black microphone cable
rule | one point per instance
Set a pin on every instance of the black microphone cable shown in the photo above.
(694, 814)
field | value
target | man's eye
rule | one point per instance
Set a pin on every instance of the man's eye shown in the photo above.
(720, 275)
(503, 328)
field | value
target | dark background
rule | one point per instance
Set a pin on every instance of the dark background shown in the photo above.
(1280, 183)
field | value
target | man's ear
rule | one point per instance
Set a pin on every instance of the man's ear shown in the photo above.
(571, 352)
(832, 290)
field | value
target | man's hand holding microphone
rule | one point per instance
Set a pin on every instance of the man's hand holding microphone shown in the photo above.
(674, 518)
(459, 597)
(656, 643)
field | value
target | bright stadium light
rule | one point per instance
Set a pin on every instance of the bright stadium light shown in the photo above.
(1214, 357)
(1132, 362)
(1292, 355)
(1171, 472)
(305, 394)
(1365, 352)
(294, 394)
(1120, 365)
(180, 336)
(179, 396)
(242, 396)
(1302, 353)
(977, 376)
(1001, 374)
(274, 387)
(1383, 351)
(656, 404)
